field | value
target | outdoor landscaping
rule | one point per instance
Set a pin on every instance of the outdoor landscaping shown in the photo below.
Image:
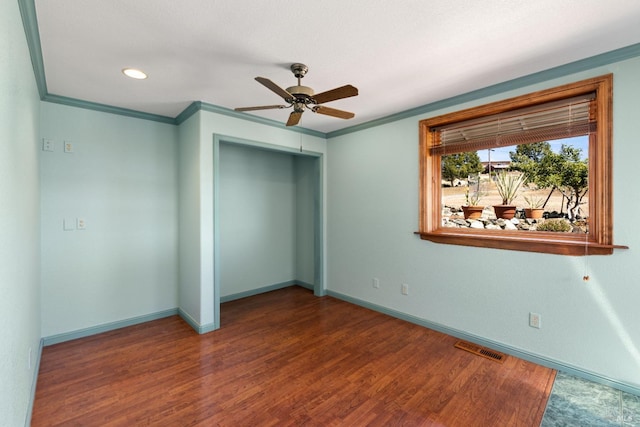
(539, 190)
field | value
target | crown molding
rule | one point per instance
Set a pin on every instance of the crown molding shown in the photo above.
(30, 23)
(203, 106)
(606, 58)
(74, 102)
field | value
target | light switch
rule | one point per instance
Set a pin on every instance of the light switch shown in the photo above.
(48, 144)
(68, 224)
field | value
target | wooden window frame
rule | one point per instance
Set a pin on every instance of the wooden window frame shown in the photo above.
(599, 240)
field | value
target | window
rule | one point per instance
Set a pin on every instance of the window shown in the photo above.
(581, 111)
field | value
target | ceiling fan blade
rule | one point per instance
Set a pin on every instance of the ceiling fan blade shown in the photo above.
(294, 118)
(262, 107)
(333, 112)
(275, 88)
(337, 93)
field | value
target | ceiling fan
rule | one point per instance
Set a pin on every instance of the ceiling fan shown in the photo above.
(301, 97)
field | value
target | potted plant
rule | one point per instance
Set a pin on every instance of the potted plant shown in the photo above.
(473, 209)
(508, 185)
(534, 209)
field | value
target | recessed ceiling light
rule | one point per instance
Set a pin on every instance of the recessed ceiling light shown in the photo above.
(134, 73)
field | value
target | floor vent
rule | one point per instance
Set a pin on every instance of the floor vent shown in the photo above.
(481, 351)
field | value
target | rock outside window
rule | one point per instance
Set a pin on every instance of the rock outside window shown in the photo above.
(556, 191)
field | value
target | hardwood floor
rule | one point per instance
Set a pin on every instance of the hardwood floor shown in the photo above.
(284, 358)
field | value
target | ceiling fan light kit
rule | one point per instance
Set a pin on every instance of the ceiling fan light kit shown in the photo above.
(303, 97)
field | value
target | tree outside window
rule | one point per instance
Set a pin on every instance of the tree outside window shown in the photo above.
(536, 129)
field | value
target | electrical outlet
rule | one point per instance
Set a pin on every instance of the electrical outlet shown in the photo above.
(68, 147)
(81, 224)
(535, 320)
(404, 289)
(376, 283)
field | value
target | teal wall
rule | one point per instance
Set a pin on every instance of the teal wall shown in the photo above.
(148, 192)
(257, 218)
(199, 139)
(19, 220)
(190, 286)
(307, 175)
(266, 208)
(121, 178)
(373, 212)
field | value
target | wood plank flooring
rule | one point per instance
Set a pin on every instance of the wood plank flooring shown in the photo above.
(284, 358)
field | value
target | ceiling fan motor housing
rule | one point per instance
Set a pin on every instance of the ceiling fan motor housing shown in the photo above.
(305, 91)
(301, 93)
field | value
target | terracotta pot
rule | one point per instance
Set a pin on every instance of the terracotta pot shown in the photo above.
(472, 212)
(504, 211)
(533, 213)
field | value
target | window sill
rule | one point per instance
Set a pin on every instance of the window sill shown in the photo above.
(549, 243)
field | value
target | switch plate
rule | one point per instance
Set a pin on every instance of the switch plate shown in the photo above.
(535, 320)
(68, 147)
(81, 224)
(376, 283)
(68, 224)
(48, 144)
(404, 289)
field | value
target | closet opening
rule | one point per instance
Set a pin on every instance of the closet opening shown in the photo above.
(267, 220)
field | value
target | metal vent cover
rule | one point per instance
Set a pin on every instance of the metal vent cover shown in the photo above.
(487, 353)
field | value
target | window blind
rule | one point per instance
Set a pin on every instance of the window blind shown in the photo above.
(553, 120)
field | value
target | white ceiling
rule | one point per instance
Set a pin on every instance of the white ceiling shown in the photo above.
(399, 54)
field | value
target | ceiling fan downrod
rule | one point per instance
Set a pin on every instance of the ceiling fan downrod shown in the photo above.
(302, 94)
